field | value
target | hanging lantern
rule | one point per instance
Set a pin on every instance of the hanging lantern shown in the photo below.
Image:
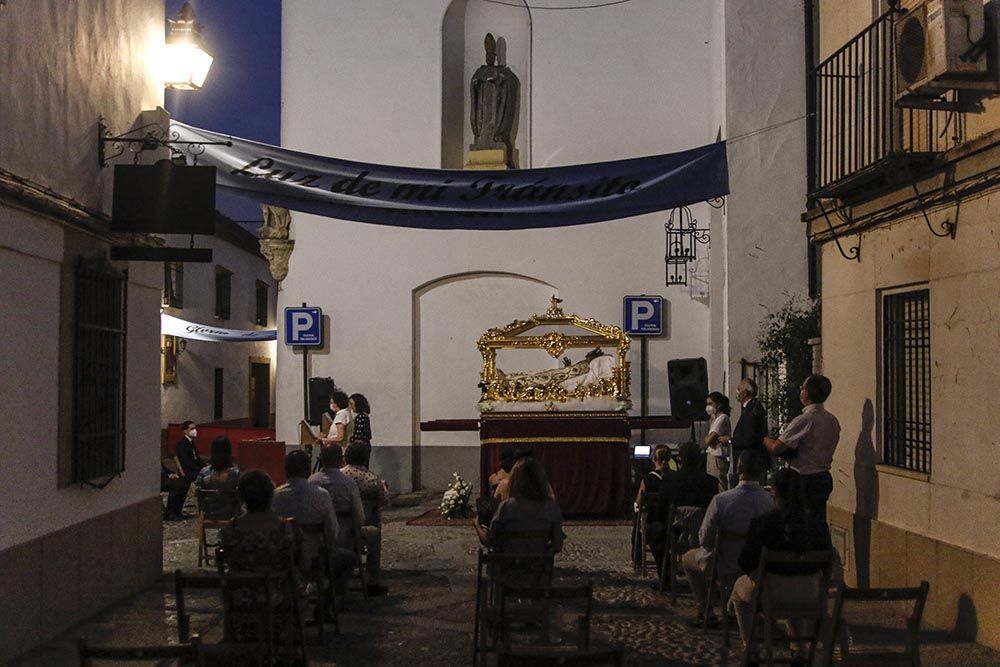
(186, 62)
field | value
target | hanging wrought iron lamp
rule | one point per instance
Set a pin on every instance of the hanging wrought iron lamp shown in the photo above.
(683, 236)
(186, 62)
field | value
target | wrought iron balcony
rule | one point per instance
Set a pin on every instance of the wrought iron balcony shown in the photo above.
(859, 136)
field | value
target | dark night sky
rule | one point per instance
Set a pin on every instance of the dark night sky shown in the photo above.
(242, 94)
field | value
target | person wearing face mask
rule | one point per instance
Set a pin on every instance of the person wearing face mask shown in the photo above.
(809, 442)
(189, 464)
(717, 441)
(750, 429)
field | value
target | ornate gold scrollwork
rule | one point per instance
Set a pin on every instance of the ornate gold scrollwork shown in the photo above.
(497, 387)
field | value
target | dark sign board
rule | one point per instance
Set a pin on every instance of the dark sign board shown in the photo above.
(164, 198)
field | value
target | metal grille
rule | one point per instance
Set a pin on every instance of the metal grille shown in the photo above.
(262, 293)
(99, 371)
(857, 124)
(906, 380)
(223, 289)
(173, 284)
(766, 376)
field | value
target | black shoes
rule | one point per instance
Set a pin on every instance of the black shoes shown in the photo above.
(376, 590)
(699, 621)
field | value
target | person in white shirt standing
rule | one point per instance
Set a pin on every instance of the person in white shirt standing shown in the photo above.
(809, 442)
(343, 421)
(720, 428)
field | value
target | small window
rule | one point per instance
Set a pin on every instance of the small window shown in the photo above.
(262, 293)
(223, 292)
(168, 360)
(906, 380)
(173, 284)
(99, 372)
(218, 394)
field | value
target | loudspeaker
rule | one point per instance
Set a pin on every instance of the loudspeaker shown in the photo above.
(688, 380)
(163, 198)
(319, 398)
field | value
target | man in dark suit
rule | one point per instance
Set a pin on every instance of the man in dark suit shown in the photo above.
(189, 464)
(751, 429)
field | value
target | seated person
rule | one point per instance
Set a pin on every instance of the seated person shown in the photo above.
(176, 486)
(502, 491)
(790, 526)
(690, 486)
(374, 496)
(729, 512)
(506, 463)
(259, 540)
(529, 508)
(219, 475)
(308, 504)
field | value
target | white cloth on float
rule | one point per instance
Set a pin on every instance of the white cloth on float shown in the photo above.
(601, 367)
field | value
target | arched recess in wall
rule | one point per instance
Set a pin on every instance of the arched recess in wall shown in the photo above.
(463, 29)
(448, 316)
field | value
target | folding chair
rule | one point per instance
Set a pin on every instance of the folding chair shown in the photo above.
(319, 572)
(183, 654)
(677, 545)
(188, 580)
(216, 510)
(347, 518)
(582, 659)
(535, 612)
(871, 655)
(494, 570)
(256, 603)
(649, 499)
(724, 582)
(765, 610)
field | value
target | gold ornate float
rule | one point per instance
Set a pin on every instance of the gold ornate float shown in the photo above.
(576, 382)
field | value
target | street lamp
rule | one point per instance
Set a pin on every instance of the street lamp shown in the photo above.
(186, 62)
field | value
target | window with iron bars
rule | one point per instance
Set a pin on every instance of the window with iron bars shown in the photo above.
(223, 292)
(99, 371)
(906, 380)
(173, 284)
(262, 299)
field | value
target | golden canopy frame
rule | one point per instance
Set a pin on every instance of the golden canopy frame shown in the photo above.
(496, 387)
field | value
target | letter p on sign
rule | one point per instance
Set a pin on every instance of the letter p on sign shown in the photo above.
(304, 326)
(643, 315)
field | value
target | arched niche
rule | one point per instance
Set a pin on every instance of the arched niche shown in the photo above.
(464, 27)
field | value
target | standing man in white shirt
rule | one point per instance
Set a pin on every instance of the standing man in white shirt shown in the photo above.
(809, 442)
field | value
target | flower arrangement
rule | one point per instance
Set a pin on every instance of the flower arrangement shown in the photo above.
(455, 503)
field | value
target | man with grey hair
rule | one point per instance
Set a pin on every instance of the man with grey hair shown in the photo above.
(751, 429)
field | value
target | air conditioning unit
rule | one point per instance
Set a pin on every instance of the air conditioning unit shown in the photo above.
(939, 47)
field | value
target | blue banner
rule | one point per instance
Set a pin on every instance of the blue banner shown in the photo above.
(469, 199)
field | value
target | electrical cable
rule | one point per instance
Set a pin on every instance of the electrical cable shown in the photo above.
(609, 3)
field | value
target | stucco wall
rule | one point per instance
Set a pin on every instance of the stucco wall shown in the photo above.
(364, 82)
(63, 65)
(959, 502)
(193, 395)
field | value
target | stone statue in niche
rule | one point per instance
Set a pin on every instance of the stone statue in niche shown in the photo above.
(495, 90)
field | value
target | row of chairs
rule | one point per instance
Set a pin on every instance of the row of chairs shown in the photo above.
(822, 617)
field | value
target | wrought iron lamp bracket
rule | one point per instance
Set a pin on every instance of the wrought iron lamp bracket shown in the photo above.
(948, 228)
(149, 137)
(682, 240)
(853, 253)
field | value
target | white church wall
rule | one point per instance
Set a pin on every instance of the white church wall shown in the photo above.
(363, 83)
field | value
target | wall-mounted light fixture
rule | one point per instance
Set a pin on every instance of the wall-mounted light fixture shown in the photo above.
(683, 237)
(185, 62)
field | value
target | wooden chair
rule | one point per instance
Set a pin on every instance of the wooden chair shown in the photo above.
(765, 611)
(257, 603)
(188, 580)
(319, 572)
(530, 611)
(495, 570)
(216, 510)
(183, 654)
(724, 583)
(360, 552)
(675, 549)
(649, 499)
(580, 659)
(910, 655)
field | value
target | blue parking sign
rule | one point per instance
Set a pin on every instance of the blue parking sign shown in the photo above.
(643, 315)
(304, 326)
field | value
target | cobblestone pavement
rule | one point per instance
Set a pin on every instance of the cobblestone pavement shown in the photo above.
(427, 618)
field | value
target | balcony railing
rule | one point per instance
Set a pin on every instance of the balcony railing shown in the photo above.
(857, 126)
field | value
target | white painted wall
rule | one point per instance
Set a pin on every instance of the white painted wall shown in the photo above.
(193, 395)
(363, 81)
(63, 65)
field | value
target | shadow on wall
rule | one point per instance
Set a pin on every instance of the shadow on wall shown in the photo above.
(867, 493)
(966, 623)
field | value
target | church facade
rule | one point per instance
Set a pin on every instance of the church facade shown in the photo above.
(405, 307)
